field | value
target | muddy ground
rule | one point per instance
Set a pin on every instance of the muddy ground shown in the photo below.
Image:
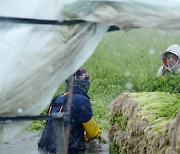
(26, 143)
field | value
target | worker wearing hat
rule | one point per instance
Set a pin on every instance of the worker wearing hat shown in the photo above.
(171, 61)
(82, 122)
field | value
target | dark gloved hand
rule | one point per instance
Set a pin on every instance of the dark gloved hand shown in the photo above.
(86, 138)
(102, 140)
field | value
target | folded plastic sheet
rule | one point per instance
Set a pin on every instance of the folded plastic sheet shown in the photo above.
(163, 15)
(35, 59)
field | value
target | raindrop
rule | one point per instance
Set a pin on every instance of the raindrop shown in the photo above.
(128, 45)
(20, 110)
(127, 74)
(152, 51)
(162, 32)
(128, 85)
(81, 14)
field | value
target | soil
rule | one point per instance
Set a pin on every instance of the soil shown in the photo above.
(26, 143)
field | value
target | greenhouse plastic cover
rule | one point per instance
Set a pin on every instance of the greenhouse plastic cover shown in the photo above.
(36, 59)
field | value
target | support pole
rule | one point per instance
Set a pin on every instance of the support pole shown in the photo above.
(58, 125)
(69, 104)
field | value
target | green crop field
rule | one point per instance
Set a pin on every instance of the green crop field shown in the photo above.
(126, 61)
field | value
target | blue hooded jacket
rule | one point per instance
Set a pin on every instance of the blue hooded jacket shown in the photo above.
(81, 112)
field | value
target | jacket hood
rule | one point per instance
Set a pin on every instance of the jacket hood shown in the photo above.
(174, 49)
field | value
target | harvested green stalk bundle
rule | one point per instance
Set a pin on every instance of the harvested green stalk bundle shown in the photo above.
(143, 123)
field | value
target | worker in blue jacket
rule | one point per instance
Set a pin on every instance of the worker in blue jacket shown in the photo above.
(82, 123)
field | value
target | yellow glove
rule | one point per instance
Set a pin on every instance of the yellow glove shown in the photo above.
(92, 129)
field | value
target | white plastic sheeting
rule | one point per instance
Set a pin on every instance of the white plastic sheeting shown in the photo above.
(162, 14)
(35, 59)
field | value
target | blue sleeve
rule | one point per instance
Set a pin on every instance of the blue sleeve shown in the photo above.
(85, 111)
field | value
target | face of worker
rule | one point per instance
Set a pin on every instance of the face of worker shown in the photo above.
(171, 59)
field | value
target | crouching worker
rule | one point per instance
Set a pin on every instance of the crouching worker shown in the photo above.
(171, 61)
(81, 121)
